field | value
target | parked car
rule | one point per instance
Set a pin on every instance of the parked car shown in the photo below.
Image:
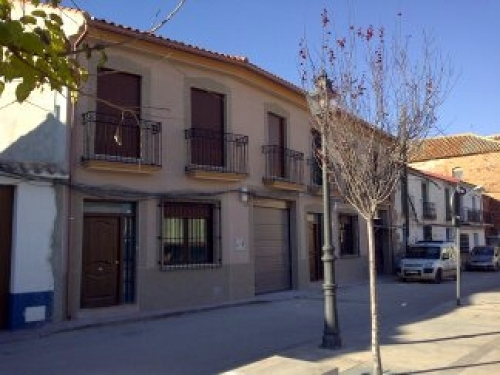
(429, 260)
(484, 258)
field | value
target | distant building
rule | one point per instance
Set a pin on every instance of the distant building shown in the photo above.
(432, 201)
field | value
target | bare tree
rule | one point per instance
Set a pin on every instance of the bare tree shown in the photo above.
(373, 98)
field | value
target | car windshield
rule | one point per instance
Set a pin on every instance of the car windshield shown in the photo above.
(483, 251)
(423, 252)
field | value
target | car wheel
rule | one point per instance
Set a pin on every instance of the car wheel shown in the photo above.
(439, 276)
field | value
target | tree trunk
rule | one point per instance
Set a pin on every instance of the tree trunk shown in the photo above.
(377, 361)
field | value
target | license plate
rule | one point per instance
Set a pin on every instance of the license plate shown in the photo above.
(412, 273)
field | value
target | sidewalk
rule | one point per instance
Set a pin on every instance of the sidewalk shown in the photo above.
(261, 336)
(448, 340)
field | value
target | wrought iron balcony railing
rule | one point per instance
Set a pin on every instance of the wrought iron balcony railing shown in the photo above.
(283, 164)
(474, 215)
(429, 210)
(315, 174)
(114, 138)
(213, 151)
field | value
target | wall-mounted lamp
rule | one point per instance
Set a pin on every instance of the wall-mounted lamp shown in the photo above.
(244, 194)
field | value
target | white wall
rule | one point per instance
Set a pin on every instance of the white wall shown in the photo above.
(33, 224)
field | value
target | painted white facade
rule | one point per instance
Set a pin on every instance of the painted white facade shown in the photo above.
(33, 226)
(430, 216)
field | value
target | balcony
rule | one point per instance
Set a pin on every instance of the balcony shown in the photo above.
(284, 168)
(429, 210)
(473, 215)
(315, 176)
(114, 143)
(214, 155)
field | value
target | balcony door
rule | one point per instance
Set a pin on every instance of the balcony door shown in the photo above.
(117, 132)
(207, 123)
(277, 138)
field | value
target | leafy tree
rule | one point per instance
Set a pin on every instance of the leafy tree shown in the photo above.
(372, 98)
(36, 52)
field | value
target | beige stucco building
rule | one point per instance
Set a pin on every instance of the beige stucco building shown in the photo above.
(209, 197)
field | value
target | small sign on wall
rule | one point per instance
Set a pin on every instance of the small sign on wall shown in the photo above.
(239, 244)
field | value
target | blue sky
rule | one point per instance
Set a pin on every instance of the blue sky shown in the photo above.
(268, 33)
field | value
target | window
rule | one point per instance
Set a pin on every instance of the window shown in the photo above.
(450, 234)
(117, 130)
(476, 239)
(457, 172)
(447, 204)
(276, 129)
(188, 237)
(316, 167)
(348, 235)
(464, 243)
(427, 232)
(207, 128)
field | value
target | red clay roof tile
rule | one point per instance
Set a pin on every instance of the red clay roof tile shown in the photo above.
(455, 145)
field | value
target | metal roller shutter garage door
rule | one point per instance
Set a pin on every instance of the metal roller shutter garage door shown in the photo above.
(272, 252)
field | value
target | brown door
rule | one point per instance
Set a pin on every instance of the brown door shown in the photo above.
(315, 251)
(101, 261)
(6, 206)
(277, 139)
(117, 127)
(207, 123)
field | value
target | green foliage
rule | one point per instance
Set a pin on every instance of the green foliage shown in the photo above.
(35, 51)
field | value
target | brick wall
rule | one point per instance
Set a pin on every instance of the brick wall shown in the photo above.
(480, 169)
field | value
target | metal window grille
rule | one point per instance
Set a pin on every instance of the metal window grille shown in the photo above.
(190, 235)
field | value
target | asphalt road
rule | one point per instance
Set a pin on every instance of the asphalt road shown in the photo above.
(219, 340)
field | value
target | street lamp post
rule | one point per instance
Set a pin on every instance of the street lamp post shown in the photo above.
(455, 222)
(319, 102)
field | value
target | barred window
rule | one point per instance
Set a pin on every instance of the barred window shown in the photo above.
(189, 238)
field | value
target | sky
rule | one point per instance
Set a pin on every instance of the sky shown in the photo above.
(268, 33)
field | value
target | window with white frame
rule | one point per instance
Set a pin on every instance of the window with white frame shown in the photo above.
(476, 239)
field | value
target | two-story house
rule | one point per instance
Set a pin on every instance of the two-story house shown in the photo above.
(191, 181)
(433, 202)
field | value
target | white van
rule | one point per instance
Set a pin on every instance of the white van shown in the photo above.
(429, 260)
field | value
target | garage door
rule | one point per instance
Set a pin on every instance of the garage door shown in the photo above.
(272, 250)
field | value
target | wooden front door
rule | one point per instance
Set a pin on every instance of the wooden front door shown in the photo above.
(102, 242)
(118, 107)
(207, 123)
(6, 207)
